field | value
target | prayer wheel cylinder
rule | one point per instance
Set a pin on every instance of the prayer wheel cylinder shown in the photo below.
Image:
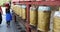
(20, 11)
(56, 23)
(14, 8)
(33, 16)
(59, 8)
(23, 12)
(44, 14)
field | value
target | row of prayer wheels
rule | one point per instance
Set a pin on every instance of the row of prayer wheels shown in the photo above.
(20, 10)
(40, 17)
(42, 14)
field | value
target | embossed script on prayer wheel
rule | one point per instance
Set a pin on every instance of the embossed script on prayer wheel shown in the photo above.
(20, 11)
(56, 23)
(15, 8)
(43, 18)
(59, 8)
(23, 12)
(33, 16)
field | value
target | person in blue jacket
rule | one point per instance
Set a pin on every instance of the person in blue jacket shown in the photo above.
(8, 14)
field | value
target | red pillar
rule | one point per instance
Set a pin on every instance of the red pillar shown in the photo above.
(28, 19)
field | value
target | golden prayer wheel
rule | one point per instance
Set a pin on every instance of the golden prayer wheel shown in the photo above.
(20, 10)
(44, 14)
(33, 16)
(56, 23)
(23, 11)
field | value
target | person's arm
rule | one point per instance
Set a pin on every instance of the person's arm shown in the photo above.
(11, 11)
(1, 11)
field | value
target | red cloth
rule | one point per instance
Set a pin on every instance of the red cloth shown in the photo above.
(0, 9)
(7, 5)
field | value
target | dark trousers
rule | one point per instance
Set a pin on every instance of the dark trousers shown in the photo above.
(8, 22)
(0, 22)
(0, 18)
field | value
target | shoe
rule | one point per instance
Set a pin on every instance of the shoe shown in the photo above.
(8, 26)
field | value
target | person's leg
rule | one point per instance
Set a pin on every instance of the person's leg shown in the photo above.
(0, 22)
(0, 19)
(8, 23)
